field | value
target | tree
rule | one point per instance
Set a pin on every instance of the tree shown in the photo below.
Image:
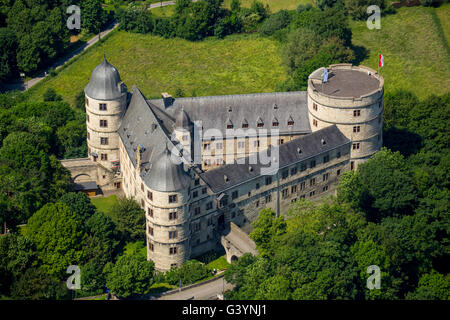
(50, 95)
(129, 219)
(357, 9)
(432, 286)
(131, 275)
(265, 229)
(92, 15)
(57, 234)
(8, 48)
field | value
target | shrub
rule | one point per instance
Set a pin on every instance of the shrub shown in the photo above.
(190, 272)
(275, 22)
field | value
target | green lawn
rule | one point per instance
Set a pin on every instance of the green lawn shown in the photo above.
(274, 5)
(237, 64)
(166, 11)
(104, 204)
(415, 53)
(443, 13)
(219, 263)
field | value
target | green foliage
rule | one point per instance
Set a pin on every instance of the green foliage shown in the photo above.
(190, 272)
(432, 286)
(92, 15)
(131, 275)
(135, 19)
(35, 284)
(265, 229)
(8, 47)
(50, 95)
(357, 9)
(57, 234)
(129, 219)
(275, 22)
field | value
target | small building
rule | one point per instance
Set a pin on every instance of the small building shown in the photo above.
(89, 187)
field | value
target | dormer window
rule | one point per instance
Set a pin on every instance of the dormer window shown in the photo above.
(229, 124)
(260, 123)
(275, 122)
(290, 121)
(225, 178)
(244, 124)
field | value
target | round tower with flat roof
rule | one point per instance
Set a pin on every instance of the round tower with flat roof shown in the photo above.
(106, 99)
(352, 98)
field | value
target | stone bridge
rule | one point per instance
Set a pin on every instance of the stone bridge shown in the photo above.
(236, 242)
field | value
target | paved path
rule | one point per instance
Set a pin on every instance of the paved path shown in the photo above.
(20, 85)
(206, 291)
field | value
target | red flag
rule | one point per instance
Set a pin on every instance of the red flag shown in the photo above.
(380, 60)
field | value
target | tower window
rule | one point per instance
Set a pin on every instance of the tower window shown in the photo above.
(104, 123)
(245, 125)
(356, 129)
(172, 215)
(87, 101)
(103, 156)
(356, 146)
(234, 195)
(151, 247)
(229, 126)
(102, 106)
(150, 212)
(313, 163)
(87, 118)
(326, 158)
(275, 123)
(195, 194)
(103, 141)
(356, 113)
(312, 181)
(315, 122)
(142, 187)
(325, 176)
(173, 234)
(150, 231)
(88, 135)
(172, 198)
(315, 106)
(290, 123)
(149, 195)
(173, 250)
(325, 188)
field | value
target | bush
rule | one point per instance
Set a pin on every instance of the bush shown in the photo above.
(190, 272)
(275, 22)
(357, 9)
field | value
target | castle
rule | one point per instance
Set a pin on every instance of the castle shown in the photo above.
(197, 164)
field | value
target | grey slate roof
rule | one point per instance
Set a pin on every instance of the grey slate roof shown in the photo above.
(165, 175)
(88, 185)
(216, 111)
(105, 83)
(310, 145)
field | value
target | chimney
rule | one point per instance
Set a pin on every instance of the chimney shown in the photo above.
(167, 99)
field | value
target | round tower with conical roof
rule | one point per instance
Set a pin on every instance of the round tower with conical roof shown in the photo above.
(167, 187)
(105, 101)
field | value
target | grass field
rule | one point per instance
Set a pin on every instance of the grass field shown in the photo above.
(166, 11)
(219, 263)
(415, 53)
(274, 5)
(237, 64)
(104, 204)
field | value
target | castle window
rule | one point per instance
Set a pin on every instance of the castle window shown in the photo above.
(256, 144)
(196, 210)
(352, 165)
(302, 185)
(245, 125)
(268, 180)
(326, 158)
(356, 146)
(103, 156)
(315, 106)
(87, 101)
(173, 234)
(195, 194)
(241, 144)
(338, 155)
(142, 204)
(312, 193)
(204, 190)
(275, 123)
(88, 135)
(313, 163)
(197, 182)
(325, 176)
(338, 172)
(219, 145)
(151, 247)
(303, 167)
(294, 188)
(102, 106)
(172, 198)
(206, 146)
(150, 231)
(293, 171)
(312, 182)
(209, 205)
(290, 121)
(173, 250)
(285, 174)
(172, 215)
(325, 188)
(173, 266)
(150, 212)
(142, 187)
(87, 118)
(257, 203)
(280, 141)
(104, 123)
(315, 122)
(185, 137)
(268, 198)
(229, 126)
(234, 195)
(257, 186)
(356, 113)
(356, 129)
(149, 195)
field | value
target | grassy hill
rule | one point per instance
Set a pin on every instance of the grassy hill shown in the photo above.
(238, 64)
(413, 42)
(274, 5)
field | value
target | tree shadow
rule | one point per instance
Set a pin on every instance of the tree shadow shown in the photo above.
(361, 53)
(402, 140)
